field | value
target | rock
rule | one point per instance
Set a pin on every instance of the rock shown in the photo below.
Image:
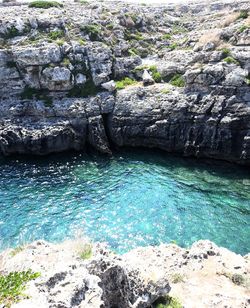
(209, 46)
(147, 79)
(80, 79)
(37, 55)
(196, 276)
(110, 86)
(56, 79)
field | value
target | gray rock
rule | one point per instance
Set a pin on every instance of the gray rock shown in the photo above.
(110, 86)
(147, 79)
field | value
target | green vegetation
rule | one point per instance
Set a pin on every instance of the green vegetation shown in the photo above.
(173, 46)
(84, 2)
(177, 80)
(133, 52)
(86, 252)
(225, 52)
(57, 34)
(231, 60)
(44, 4)
(11, 32)
(15, 251)
(166, 36)
(93, 31)
(178, 29)
(155, 74)
(60, 42)
(153, 70)
(43, 95)
(121, 84)
(82, 42)
(137, 36)
(167, 302)
(165, 91)
(66, 62)
(243, 28)
(243, 14)
(177, 277)
(89, 88)
(13, 285)
(248, 80)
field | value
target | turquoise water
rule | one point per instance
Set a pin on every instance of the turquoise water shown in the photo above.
(135, 198)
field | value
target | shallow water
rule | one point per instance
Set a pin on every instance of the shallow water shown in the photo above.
(136, 198)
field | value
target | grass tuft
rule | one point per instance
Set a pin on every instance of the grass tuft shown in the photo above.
(231, 60)
(167, 302)
(86, 253)
(122, 84)
(177, 80)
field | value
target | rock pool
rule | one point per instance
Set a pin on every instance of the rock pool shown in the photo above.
(136, 198)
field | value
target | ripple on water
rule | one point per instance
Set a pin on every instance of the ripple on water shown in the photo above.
(133, 199)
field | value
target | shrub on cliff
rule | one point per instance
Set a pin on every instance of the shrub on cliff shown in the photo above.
(121, 84)
(177, 80)
(13, 285)
(44, 4)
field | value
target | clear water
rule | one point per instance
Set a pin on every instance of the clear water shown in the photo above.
(136, 198)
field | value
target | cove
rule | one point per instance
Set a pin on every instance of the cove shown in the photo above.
(136, 198)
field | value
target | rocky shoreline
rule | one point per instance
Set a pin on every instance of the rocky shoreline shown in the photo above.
(76, 274)
(188, 78)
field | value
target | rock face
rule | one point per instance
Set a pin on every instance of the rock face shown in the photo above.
(136, 279)
(58, 78)
(207, 126)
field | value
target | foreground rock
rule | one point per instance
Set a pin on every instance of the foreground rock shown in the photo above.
(202, 276)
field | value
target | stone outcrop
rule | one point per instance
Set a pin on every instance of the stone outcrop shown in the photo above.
(136, 279)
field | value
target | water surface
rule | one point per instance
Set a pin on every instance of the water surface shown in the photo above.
(136, 198)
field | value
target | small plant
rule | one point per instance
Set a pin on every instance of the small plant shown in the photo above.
(247, 80)
(166, 36)
(66, 62)
(165, 91)
(84, 2)
(11, 33)
(167, 302)
(173, 46)
(13, 285)
(243, 28)
(86, 252)
(177, 277)
(238, 279)
(30, 93)
(57, 34)
(243, 14)
(133, 52)
(39, 4)
(89, 88)
(93, 31)
(82, 42)
(225, 52)
(230, 60)
(177, 80)
(121, 84)
(15, 251)
(60, 42)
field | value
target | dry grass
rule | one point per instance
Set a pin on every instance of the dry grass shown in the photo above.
(212, 36)
(228, 19)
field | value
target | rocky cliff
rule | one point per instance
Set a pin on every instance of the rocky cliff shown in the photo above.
(106, 75)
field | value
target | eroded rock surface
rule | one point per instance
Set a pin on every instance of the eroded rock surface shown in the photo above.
(203, 276)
